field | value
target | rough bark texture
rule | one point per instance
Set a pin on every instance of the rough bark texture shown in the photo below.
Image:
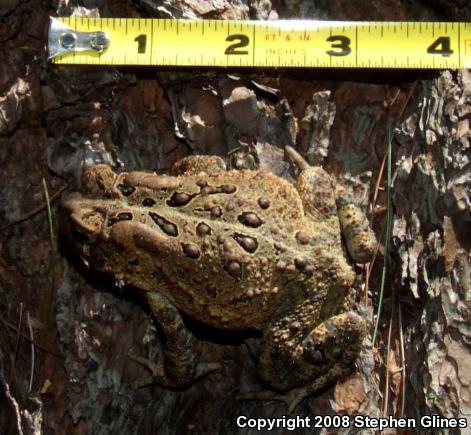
(431, 243)
(83, 325)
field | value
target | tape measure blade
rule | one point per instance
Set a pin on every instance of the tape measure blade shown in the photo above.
(284, 43)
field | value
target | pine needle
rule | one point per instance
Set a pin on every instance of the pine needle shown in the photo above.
(387, 235)
(49, 213)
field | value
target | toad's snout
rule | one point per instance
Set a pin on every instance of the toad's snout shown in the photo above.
(80, 224)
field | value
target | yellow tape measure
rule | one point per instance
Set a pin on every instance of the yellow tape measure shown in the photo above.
(286, 43)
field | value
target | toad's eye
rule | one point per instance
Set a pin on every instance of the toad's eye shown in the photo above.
(84, 228)
(126, 189)
(79, 235)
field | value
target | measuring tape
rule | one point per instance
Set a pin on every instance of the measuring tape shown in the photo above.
(284, 43)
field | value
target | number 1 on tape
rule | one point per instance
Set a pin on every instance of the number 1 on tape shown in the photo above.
(285, 43)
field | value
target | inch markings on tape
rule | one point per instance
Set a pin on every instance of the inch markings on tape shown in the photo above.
(284, 43)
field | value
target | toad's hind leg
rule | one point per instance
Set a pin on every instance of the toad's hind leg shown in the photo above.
(180, 360)
(305, 359)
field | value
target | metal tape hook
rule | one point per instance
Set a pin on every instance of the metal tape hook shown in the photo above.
(63, 39)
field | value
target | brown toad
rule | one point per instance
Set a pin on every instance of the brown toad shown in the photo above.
(234, 250)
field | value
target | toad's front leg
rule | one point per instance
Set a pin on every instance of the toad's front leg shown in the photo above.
(180, 361)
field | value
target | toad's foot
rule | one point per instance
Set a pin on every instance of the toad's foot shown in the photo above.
(313, 361)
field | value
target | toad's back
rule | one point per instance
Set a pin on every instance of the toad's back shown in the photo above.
(227, 248)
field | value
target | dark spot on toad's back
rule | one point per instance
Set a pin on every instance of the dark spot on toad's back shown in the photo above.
(263, 202)
(166, 226)
(208, 190)
(216, 212)
(179, 199)
(229, 188)
(250, 244)
(234, 269)
(203, 229)
(250, 219)
(191, 250)
(148, 202)
(123, 216)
